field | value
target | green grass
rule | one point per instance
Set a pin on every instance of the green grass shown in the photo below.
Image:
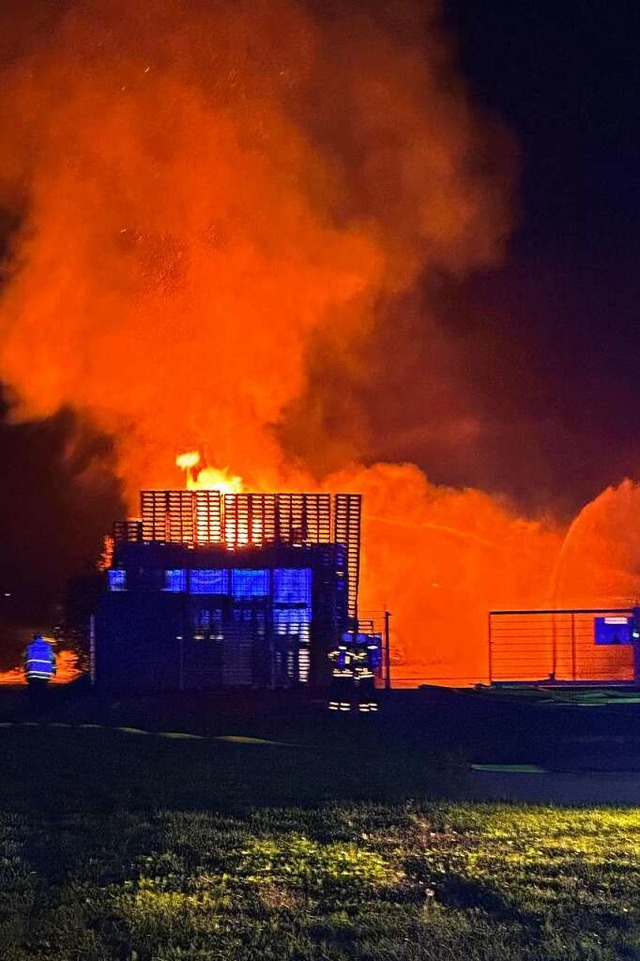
(139, 848)
(509, 768)
(559, 696)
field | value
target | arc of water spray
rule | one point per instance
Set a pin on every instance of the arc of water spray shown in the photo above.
(430, 525)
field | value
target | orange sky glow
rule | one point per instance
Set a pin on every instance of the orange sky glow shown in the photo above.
(217, 193)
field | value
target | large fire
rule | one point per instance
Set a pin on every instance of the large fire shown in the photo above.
(218, 201)
(207, 478)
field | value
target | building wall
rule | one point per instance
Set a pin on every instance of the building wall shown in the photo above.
(165, 625)
(136, 641)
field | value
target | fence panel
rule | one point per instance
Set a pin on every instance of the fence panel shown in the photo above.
(560, 646)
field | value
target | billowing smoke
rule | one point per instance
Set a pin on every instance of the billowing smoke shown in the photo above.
(209, 189)
(214, 205)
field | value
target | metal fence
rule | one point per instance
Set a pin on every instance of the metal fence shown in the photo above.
(377, 622)
(559, 646)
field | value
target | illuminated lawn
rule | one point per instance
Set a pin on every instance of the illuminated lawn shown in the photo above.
(128, 847)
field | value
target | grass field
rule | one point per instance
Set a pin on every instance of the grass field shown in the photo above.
(121, 845)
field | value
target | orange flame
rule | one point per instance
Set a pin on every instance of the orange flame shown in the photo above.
(215, 198)
(188, 460)
(67, 671)
(208, 478)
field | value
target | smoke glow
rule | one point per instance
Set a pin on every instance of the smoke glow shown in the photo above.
(212, 194)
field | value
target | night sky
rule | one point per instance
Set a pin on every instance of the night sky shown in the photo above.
(547, 343)
(539, 354)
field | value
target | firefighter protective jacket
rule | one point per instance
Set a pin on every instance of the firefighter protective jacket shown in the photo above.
(343, 661)
(39, 660)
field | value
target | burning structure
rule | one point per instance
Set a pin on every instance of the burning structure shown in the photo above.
(268, 290)
(210, 589)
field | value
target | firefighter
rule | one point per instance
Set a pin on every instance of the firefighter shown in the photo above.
(342, 679)
(366, 662)
(39, 667)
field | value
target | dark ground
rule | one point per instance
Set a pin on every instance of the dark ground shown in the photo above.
(202, 827)
(577, 747)
(559, 730)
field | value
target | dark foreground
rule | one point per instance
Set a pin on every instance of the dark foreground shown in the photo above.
(203, 827)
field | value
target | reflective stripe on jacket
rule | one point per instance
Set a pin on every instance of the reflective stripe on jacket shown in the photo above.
(39, 661)
(343, 660)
